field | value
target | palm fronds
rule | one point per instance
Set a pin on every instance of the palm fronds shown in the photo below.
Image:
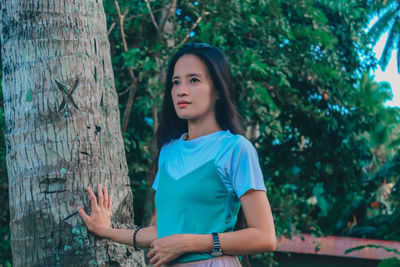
(391, 42)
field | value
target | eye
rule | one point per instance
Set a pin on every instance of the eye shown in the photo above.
(175, 82)
(194, 80)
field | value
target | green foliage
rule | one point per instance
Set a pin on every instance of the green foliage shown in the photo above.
(263, 259)
(391, 262)
(380, 126)
(380, 132)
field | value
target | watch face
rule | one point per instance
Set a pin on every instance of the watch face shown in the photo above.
(217, 253)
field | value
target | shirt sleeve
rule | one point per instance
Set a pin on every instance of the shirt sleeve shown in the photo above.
(160, 160)
(245, 170)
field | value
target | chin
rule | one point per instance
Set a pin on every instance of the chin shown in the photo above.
(184, 116)
(181, 116)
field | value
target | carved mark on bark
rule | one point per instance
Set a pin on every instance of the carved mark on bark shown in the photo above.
(95, 74)
(52, 180)
(53, 185)
(69, 216)
(85, 153)
(98, 129)
(67, 93)
(95, 45)
(55, 191)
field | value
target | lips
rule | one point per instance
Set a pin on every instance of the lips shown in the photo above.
(183, 103)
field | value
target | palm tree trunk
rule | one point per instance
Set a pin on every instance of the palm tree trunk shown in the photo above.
(62, 132)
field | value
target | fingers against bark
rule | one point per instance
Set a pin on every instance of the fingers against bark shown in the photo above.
(109, 203)
(105, 202)
(83, 214)
(93, 199)
(100, 195)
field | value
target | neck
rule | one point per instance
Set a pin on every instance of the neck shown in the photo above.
(199, 128)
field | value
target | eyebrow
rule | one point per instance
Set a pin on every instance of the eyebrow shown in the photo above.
(188, 75)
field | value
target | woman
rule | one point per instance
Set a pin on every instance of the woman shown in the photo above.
(207, 170)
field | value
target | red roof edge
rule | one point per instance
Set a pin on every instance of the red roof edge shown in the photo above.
(337, 245)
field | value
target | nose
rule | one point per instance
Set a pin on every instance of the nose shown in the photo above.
(182, 89)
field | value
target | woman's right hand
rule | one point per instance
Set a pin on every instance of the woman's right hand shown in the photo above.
(99, 220)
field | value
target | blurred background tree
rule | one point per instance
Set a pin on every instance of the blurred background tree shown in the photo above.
(326, 141)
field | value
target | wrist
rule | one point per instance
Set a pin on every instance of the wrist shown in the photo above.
(198, 243)
(217, 251)
(134, 238)
(187, 243)
(106, 233)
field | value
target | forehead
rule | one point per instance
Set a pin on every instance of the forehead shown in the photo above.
(189, 64)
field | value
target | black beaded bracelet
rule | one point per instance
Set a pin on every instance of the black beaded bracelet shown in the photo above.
(134, 238)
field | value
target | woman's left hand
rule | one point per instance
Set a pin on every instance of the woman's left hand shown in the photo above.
(166, 249)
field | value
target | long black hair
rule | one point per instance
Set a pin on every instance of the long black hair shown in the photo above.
(227, 116)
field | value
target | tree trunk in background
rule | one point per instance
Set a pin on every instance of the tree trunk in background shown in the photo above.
(62, 132)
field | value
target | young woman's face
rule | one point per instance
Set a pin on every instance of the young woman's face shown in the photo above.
(193, 93)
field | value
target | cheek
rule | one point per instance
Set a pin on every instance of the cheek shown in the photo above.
(173, 95)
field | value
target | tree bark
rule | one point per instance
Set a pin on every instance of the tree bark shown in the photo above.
(62, 133)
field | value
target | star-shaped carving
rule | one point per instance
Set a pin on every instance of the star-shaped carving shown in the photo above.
(67, 97)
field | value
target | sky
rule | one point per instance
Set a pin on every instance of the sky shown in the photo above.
(390, 74)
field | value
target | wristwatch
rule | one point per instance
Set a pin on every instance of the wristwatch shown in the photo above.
(217, 251)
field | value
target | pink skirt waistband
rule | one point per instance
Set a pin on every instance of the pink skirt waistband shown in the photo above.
(223, 261)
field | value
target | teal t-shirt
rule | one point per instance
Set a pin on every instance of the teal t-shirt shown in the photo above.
(235, 158)
(199, 183)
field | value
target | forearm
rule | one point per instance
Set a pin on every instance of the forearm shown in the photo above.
(125, 236)
(242, 242)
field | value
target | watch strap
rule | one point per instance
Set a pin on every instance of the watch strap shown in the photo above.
(217, 251)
